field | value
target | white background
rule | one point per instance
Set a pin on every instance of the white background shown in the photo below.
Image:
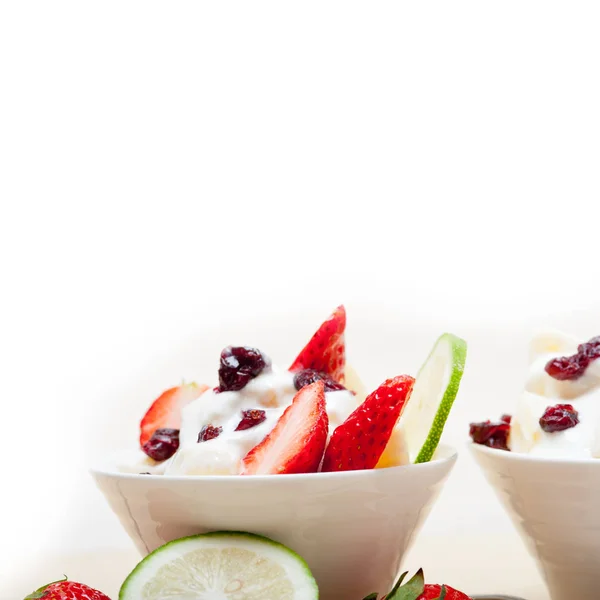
(168, 169)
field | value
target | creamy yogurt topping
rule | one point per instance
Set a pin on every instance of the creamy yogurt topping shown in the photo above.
(272, 391)
(135, 461)
(542, 390)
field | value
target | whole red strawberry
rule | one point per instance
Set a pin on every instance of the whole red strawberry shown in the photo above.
(435, 592)
(360, 440)
(326, 350)
(66, 590)
(416, 589)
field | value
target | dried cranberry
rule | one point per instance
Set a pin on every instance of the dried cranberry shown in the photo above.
(506, 418)
(240, 364)
(573, 367)
(209, 432)
(591, 349)
(251, 418)
(308, 376)
(559, 418)
(162, 445)
(567, 367)
(493, 435)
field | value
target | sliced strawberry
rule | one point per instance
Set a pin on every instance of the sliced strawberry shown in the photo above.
(297, 442)
(361, 439)
(67, 590)
(326, 350)
(165, 412)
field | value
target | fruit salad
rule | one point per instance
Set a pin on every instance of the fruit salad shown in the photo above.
(313, 416)
(558, 413)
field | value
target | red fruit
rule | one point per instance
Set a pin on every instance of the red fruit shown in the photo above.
(559, 418)
(360, 440)
(67, 590)
(209, 432)
(573, 367)
(297, 442)
(491, 434)
(326, 350)
(308, 376)
(251, 418)
(165, 412)
(238, 365)
(415, 589)
(162, 445)
(432, 592)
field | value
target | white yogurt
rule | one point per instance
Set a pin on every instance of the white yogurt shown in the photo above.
(541, 391)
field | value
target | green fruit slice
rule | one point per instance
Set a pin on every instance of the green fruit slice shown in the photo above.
(433, 394)
(221, 566)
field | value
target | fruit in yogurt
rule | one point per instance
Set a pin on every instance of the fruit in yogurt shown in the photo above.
(238, 365)
(165, 411)
(297, 442)
(251, 418)
(559, 418)
(326, 350)
(66, 590)
(308, 376)
(209, 432)
(558, 413)
(359, 442)
(565, 368)
(315, 415)
(162, 445)
(491, 434)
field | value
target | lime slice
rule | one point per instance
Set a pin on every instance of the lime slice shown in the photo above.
(221, 566)
(430, 403)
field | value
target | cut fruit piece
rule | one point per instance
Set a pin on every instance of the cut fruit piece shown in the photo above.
(165, 412)
(297, 442)
(361, 439)
(221, 566)
(435, 389)
(326, 350)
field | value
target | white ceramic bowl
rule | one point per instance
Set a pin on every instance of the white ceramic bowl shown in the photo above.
(353, 528)
(555, 505)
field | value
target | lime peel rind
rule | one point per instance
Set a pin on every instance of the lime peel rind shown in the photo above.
(459, 356)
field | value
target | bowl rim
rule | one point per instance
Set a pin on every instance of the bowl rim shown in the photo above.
(447, 459)
(527, 458)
